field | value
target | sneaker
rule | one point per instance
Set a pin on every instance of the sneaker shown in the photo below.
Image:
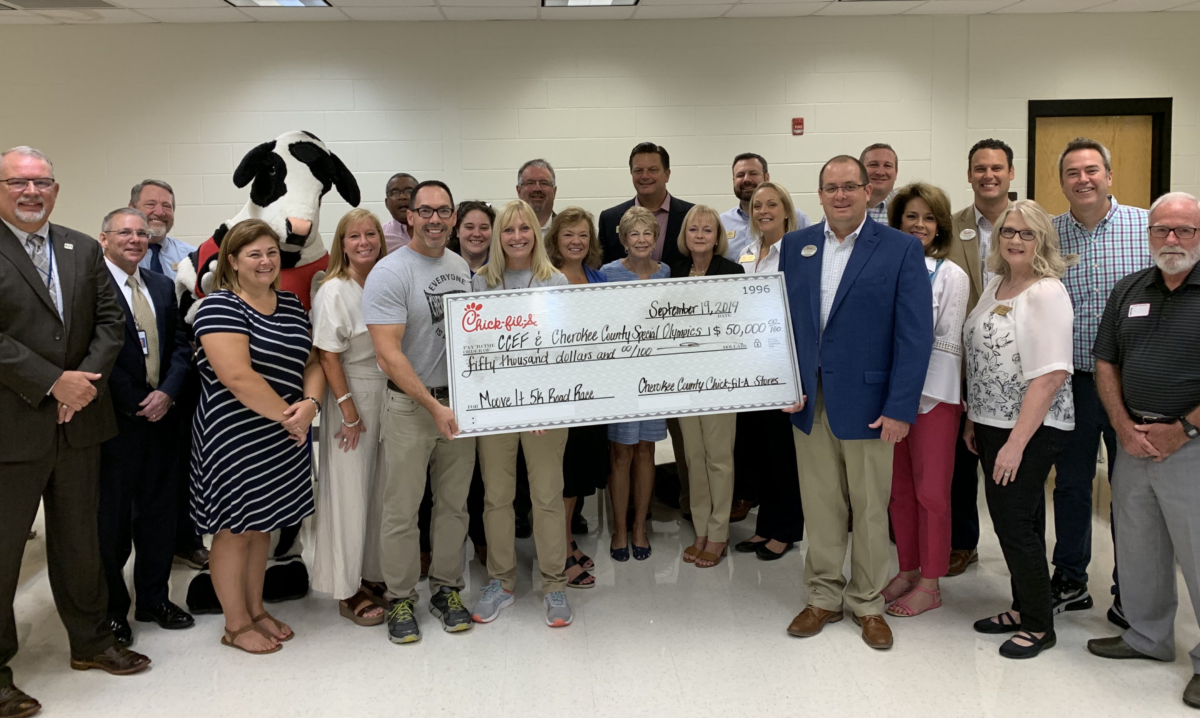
(493, 599)
(1068, 595)
(447, 605)
(558, 611)
(1116, 614)
(402, 622)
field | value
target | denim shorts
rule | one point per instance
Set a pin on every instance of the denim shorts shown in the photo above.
(630, 433)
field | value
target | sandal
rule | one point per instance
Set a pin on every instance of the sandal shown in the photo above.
(584, 579)
(901, 609)
(377, 592)
(279, 626)
(712, 558)
(587, 562)
(230, 639)
(362, 603)
(690, 554)
(1002, 623)
(889, 595)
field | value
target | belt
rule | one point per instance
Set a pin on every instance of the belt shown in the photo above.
(440, 393)
(1151, 418)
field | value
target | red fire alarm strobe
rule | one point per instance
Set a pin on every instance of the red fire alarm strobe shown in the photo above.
(797, 125)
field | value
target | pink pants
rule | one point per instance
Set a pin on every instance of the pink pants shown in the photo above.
(922, 468)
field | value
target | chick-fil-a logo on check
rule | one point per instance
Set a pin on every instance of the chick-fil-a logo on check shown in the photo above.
(473, 322)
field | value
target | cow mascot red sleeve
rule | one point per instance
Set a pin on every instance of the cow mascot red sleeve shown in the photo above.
(287, 176)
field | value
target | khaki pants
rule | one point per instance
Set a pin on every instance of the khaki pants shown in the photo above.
(708, 446)
(498, 463)
(412, 444)
(832, 471)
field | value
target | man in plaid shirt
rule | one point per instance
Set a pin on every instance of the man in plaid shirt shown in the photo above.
(1110, 240)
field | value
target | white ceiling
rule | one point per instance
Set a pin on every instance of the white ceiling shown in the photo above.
(183, 11)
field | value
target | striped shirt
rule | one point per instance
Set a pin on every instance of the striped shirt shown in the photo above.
(833, 265)
(1116, 248)
(879, 212)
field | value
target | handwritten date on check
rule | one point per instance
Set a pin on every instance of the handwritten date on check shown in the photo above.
(622, 351)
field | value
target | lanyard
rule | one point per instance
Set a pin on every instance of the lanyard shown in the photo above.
(936, 267)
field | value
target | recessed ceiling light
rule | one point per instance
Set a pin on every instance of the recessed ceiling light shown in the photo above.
(278, 3)
(586, 3)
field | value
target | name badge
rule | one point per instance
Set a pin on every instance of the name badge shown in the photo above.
(809, 251)
(730, 234)
(967, 235)
(746, 258)
(68, 246)
(1139, 310)
(1001, 310)
(145, 344)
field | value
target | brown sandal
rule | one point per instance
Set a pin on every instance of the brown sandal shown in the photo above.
(230, 638)
(362, 603)
(712, 558)
(264, 616)
(690, 554)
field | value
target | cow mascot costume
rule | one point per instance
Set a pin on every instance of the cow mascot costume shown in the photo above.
(287, 176)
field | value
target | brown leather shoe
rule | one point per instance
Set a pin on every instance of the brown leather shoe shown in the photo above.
(960, 559)
(741, 509)
(117, 660)
(15, 703)
(811, 620)
(425, 559)
(875, 631)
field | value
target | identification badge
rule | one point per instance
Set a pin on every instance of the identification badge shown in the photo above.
(966, 235)
(1001, 310)
(68, 246)
(730, 234)
(1139, 310)
(746, 258)
(809, 251)
(145, 344)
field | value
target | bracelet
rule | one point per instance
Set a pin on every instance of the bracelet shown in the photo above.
(315, 403)
(341, 399)
(351, 426)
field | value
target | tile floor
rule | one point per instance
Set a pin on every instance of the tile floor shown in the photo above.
(658, 638)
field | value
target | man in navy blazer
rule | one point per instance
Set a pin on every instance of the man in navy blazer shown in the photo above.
(650, 170)
(862, 314)
(137, 467)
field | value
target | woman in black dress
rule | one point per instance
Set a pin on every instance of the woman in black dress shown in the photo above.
(251, 458)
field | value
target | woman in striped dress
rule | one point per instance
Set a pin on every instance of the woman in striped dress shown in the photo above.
(251, 459)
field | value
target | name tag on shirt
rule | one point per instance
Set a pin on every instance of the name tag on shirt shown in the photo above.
(746, 258)
(145, 344)
(1139, 310)
(730, 234)
(1001, 310)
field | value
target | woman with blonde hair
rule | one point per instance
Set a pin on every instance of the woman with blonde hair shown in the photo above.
(518, 260)
(251, 463)
(1019, 408)
(346, 562)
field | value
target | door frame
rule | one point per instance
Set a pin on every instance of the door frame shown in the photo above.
(1159, 109)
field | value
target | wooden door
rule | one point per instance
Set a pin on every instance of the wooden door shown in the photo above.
(1129, 138)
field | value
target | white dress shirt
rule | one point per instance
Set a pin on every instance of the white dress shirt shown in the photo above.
(951, 289)
(750, 258)
(44, 233)
(737, 231)
(984, 236)
(122, 278)
(833, 265)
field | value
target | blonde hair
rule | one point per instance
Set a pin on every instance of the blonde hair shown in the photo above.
(339, 263)
(1048, 261)
(241, 234)
(634, 216)
(566, 218)
(722, 244)
(518, 209)
(785, 198)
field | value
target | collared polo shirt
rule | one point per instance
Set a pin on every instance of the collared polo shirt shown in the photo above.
(1153, 336)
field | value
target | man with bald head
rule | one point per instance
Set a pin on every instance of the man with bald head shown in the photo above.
(1148, 377)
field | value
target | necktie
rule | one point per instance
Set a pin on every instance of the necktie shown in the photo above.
(155, 260)
(35, 244)
(143, 317)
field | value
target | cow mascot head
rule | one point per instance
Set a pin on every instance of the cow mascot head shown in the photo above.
(287, 177)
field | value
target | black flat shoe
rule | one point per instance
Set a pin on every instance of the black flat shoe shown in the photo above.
(748, 546)
(1011, 649)
(1006, 624)
(121, 631)
(167, 615)
(765, 554)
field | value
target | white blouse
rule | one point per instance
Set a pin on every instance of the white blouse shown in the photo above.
(951, 289)
(1012, 342)
(770, 262)
(338, 326)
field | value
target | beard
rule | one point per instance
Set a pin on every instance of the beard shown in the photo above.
(746, 191)
(1176, 261)
(35, 216)
(158, 229)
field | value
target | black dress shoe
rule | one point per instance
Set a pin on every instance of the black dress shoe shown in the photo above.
(749, 546)
(524, 528)
(16, 703)
(120, 630)
(1114, 647)
(167, 615)
(765, 554)
(1011, 649)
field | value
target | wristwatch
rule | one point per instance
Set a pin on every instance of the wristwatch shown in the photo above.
(1188, 428)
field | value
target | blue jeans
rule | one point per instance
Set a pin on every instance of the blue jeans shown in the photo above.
(1073, 484)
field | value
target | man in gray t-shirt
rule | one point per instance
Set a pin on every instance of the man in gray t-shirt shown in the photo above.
(402, 306)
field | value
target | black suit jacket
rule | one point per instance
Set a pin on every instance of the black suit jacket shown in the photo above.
(611, 242)
(36, 346)
(718, 265)
(127, 384)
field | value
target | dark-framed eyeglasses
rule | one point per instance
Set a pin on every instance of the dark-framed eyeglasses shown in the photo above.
(41, 183)
(405, 193)
(1026, 234)
(848, 188)
(425, 212)
(1161, 231)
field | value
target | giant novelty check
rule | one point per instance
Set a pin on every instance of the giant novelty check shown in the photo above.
(621, 351)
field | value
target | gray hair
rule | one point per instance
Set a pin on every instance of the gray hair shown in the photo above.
(540, 163)
(1170, 197)
(135, 194)
(106, 225)
(1085, 143)
(26, 151)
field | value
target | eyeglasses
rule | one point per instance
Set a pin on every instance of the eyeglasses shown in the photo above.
(42, 183)
(848, 188)
(400, 193)
(427, 212)
(1026, 234)
(531, 183)
(127, 233)
(1160, 231)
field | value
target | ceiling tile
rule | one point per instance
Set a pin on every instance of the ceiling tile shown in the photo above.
(95, 17)
(394, 14)
(382, 3)
(960, 7)
(1187, 8)
(786, 2)
(653, 3)
(21, 17)
(620, 12)
(675, 12)
(200, 14)
(776, 9)
(295, 14)
(490, 3)
(1038, 6)
(1138, 5)
(490, 13)
(869, 8)
(176, 4)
